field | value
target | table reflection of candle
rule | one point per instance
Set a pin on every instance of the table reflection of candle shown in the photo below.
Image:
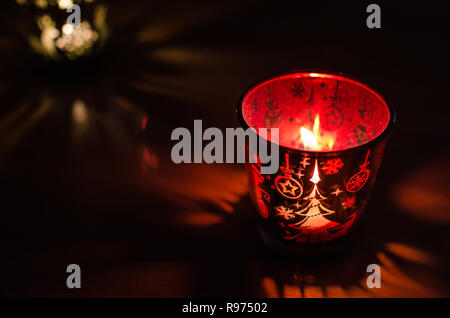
(332, 137)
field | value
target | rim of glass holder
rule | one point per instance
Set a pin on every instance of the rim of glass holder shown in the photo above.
(318, 73)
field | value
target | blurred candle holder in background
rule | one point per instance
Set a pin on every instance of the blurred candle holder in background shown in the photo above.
(332, 132)
(44, 25)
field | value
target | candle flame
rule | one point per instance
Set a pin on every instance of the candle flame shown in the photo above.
(316, 127)
(312, 140)
(308, 139)
(315, 178)
(330, 143)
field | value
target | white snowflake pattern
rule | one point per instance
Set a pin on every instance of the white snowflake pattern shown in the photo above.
(285, 213)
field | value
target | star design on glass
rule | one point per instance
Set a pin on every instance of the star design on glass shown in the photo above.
(288, 188)
(305, 162)
(297, 90)
(300, 173)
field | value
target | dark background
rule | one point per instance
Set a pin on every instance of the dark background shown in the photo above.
(98, 188)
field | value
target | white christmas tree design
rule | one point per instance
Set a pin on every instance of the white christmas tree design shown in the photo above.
(312, 212)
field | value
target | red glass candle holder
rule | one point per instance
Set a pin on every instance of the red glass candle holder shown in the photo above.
(332, 134)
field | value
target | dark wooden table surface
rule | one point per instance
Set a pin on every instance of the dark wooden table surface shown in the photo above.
(86, 175)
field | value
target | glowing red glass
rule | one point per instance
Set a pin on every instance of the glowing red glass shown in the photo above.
(332, 132)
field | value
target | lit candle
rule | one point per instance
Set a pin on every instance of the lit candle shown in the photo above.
(64, 30)
(332, 132)
(313, 140)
